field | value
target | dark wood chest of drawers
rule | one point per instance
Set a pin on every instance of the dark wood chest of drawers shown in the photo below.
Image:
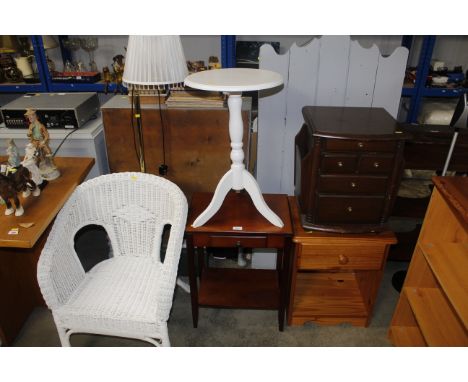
(348, 165)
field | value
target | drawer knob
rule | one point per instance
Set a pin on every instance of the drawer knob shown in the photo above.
(353, 185)
(376, 164)
(349, 209)
(360, 144)
(342, 259)
(238, 243)
(340, 164)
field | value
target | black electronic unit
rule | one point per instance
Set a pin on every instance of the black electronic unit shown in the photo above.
(54, 110)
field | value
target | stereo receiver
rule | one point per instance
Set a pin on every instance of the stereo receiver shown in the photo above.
(54, 110)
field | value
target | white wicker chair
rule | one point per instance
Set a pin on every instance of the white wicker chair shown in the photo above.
(130, 294)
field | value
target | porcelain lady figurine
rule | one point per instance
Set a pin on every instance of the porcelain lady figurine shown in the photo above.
(39, 137)
(29, 162)
(13, 155)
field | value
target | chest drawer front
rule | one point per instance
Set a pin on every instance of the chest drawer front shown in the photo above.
(375, 165)
(339, 164)
(312, 256)
(230, 241)
(342, 184)
(356, 145)
(336, 209)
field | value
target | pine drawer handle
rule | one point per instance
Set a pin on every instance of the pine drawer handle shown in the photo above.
(342, 259)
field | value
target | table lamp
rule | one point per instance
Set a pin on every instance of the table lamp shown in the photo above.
(152, 64)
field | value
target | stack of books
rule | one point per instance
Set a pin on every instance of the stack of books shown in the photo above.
(195, 99)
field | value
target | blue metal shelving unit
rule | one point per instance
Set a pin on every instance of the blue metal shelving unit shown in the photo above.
(420, 90)
(228, 51)
(31, 88)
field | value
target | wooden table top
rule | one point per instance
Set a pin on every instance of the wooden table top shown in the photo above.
(238, 210)
(454, 189)
(42, 210)
(301, 235)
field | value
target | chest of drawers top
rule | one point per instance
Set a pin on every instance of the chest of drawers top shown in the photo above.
(360, 123)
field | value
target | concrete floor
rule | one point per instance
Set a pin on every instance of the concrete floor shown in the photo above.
(229, 327)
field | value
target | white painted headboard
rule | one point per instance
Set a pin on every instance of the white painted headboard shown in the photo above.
(328, 71)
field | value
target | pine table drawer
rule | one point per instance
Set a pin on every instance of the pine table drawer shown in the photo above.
(230, 241)
(338, 256)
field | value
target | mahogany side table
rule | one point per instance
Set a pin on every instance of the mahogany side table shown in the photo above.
(238, 224)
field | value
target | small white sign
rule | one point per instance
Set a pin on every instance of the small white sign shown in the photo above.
(237, 228)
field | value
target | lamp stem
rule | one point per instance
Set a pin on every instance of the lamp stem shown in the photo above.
(449, 155)
(141, 147)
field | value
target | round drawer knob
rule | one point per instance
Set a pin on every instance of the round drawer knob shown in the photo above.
(349, 209)
(340, 164)
(360, 145)
(342, 259)
(353, 185)
(238, 243)
(376, 164)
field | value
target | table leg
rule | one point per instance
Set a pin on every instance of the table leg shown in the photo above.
(284, 264)
(192, 280)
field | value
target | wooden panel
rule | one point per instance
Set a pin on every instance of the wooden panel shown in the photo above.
(241, 288)
(333, 70)
(406, 336)
(303, 78)
(440, 223)
(389, 81)
(361, 76)
(271, 122)
(329, 295)
(449, 263)
(356, 184)
(196, 141)
(340, 257)
(419, 273)
(440, 327)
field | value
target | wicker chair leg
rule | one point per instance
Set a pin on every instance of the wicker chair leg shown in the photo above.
(64, 337)
(165, 338)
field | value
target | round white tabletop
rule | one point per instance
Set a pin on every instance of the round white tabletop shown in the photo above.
(234, 80)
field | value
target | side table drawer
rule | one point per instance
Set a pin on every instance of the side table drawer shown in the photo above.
(230, 241)
(337, 256)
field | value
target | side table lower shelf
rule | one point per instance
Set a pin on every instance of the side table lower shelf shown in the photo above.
(241, 288)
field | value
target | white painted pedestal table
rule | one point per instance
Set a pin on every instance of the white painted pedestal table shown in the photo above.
(233, 81)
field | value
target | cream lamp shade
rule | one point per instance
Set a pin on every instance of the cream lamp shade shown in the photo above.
(154, 62)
